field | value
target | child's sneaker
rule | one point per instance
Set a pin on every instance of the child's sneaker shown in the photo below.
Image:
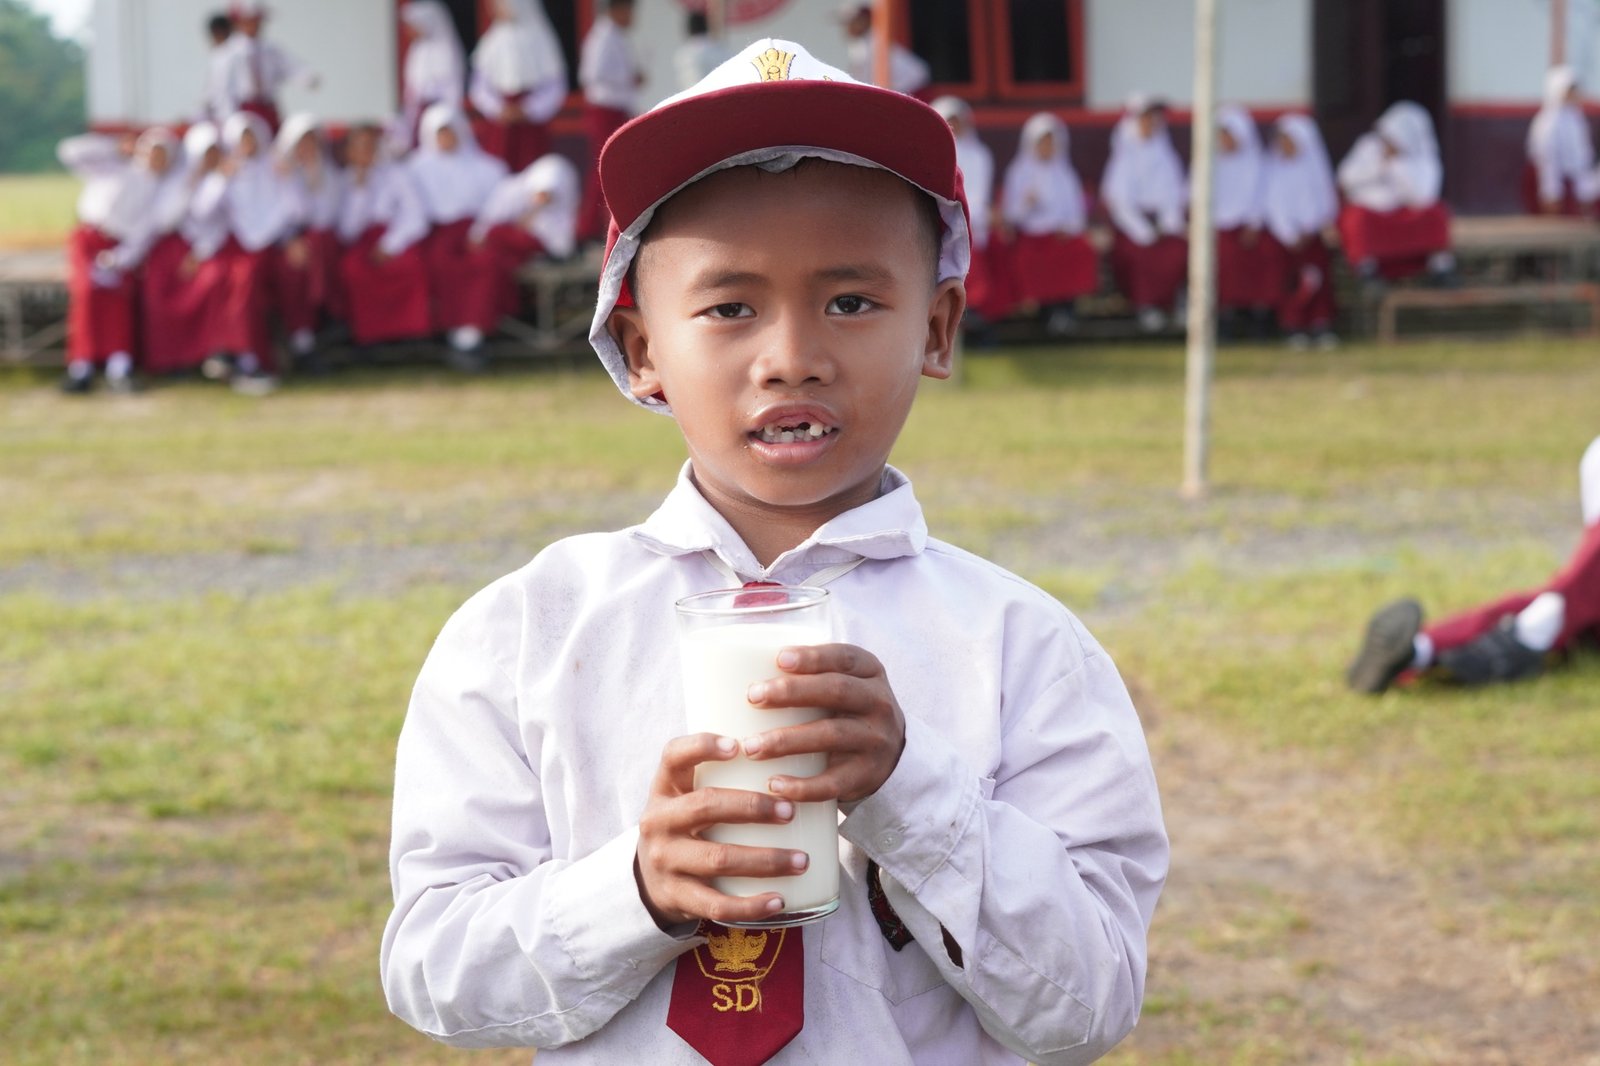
(1496, 656)
(1388, 649)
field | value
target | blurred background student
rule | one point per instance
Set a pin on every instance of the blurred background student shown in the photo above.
(610, 74)
(306, 261)
(1146, 194)
(908, 72)
(1561, 177)
(175, 292)
(519, 81)
(989, 297)
(435, 68)
(1302, 206)
(1052, 262)
(1393, 224)
(382, 222)
(1249, 261)
(254, 69)
(530, 215)
(218, 102)
(699, 54)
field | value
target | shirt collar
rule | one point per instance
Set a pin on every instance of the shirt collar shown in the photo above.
(888, 527)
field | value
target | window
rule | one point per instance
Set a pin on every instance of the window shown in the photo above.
(998, 51)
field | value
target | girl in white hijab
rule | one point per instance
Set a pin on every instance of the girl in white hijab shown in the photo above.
(519, 81)
(530, 215)
(176, 292)
(1147, 196)
(1394, 225)
(305, 265)
(1052, 263)
(122, 180)
(382, 223)
(436, 66)
(988, 292)
(1249, 262)
(1561, 176)
(1301, 206)
(455, 179)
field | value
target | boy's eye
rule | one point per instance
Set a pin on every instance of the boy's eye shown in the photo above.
(849, 305)
(734, 310)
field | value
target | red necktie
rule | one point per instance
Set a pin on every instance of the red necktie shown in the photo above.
(739, 998)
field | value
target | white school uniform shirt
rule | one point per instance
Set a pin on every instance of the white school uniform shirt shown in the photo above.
(1559, 144)
(908, 72)
(520, 55)
(608, 68)
(1238, 195)
(252, 199)
(1144, 187)
(121, 197)
(1370, 178)
(1301, 200)
(1022, 816)
(314, 193)
(257, 69)
(555, 223)
(383, 196)
(204, 225)
(219, 99)
(1043, 196)
(454, 185)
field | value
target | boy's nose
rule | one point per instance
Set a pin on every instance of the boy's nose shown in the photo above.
(795, 352)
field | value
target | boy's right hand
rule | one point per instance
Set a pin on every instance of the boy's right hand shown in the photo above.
(675, 864)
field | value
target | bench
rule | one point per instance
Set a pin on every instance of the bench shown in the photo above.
(1524, 294)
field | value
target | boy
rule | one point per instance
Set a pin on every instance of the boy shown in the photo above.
(773, 286)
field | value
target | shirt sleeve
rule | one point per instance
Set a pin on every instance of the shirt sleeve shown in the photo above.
(493, 942)
(1045, 876)
(1124, 215)
(545, 99)
(406, 215)
(90, 155)
(483, 96)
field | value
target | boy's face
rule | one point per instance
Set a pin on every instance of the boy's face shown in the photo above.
(788, 319)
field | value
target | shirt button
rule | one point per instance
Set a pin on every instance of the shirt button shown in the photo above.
(889, 840)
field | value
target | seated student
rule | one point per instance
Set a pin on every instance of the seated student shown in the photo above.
(989, 293)
(1052, 262)
(781, 273)
(1393, 224)
(306, 261)
(611, 73)
(435, 67)
(530, 215)
(1505, 640)
(119, 183)
(455, 179)
(1301, 206)
(382, 222)
(1147, 196)
(175, 293)
(1561, 177)
(1249, 260)
(246, 196)
(519, 81)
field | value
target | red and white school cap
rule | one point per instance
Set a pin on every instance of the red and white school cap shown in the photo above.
(771, 105)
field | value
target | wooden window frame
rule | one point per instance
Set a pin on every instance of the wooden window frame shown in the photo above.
(982, 83)
(1006, 87)
(989, 37)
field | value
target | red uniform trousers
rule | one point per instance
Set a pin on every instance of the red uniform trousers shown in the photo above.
(1053, 268)
(1578, 582)
(1150, 275)
(100, 319)
(462, 278)
(1306, 302)
(176, 307)
(1399, 241)
(388, 298)
(599, 123)
(1249, 272)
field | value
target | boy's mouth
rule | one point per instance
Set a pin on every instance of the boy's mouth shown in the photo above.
(801, 431)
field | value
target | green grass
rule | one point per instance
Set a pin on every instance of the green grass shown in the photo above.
(36, 210)
(194, 775)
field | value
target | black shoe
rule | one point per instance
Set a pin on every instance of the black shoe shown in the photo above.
(466, 362)
(1388, 648)
(77, 386)
(1496, 656)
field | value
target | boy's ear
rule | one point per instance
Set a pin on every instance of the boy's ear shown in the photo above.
(944, 320)
(627, 326)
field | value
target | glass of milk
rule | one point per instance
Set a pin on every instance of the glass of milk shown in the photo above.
(730, 639)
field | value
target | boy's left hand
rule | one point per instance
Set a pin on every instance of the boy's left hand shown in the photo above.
(863, 737)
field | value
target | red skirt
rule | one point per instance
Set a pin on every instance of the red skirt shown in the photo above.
(1249, 274)
(1306, 302)
(301, 291)
(991, 290)
(1399, 241)
(238, 309)
(518, 143)
(388, 298)
(463, 278)
(1530, 195)
(1050, 268)
(176, 307)
(599, 123)
(1150, 275)
(511, 246)
(100, 320)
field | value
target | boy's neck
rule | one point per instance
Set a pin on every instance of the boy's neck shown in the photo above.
(770, 531)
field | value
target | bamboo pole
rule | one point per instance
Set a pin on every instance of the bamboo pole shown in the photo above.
(1202, 325)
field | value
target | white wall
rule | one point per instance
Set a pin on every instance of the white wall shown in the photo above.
(1264, 52)
(659, 29)
(147, 57)
(1498, 49)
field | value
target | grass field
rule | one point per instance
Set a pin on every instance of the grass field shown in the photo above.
(36, 210)
(213, 608)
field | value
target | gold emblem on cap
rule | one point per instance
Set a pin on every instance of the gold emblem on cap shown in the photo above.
(773, 65)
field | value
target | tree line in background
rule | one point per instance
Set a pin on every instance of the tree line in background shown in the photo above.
(41, 89)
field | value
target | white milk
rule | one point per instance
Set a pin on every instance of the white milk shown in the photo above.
(720, 663)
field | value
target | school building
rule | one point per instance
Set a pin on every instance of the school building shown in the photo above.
(1476, 65)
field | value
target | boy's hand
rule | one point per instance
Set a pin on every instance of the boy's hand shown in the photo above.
(863, 737)
(674, 864)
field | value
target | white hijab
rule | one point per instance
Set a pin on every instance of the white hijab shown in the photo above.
(170, 198)
(1301, 199)
(315, 190)
(1589, 483)
(1408, 129)
(1043, 196)
(976, 163)
(254, 200)
(454, 184)
(1144, 176)
(435, 64)
(1559, 136)
(521, 50)
(555, 223)
(1237, 192)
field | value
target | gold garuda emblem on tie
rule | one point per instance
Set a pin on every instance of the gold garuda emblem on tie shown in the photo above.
(736, 951)
(773, 65)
